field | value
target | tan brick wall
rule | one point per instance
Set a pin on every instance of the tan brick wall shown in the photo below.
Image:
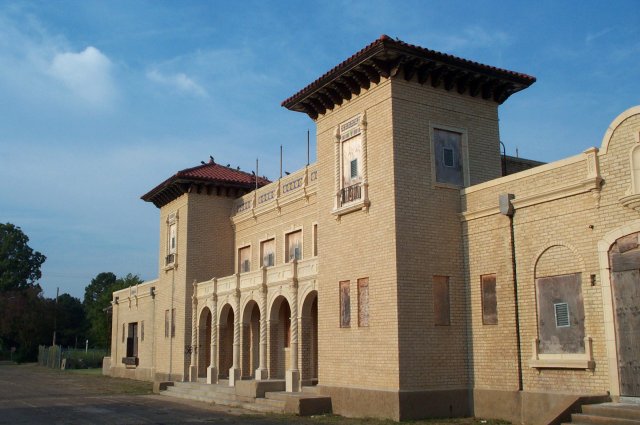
(552, 237)
(428, 229)
(359, 244)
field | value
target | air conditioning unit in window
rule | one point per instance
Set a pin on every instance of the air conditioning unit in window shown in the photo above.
(245, 266)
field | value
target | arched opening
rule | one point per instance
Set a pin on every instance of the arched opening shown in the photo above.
(309, 340)
(279, 338)
(225, 343)
(204, 342)
(559, 301)
(250, 339)
(624, 261)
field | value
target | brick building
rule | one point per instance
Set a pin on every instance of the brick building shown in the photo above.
(402, 274)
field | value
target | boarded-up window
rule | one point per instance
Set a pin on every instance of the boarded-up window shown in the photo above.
(244, 259)
(268, 253)
(351, 160)
(315, 240)
(363, 302)
(345, 304)
(172, 242)
(489, 299)
(294, 246)
(560, 314)
(447, 150)
(441, 301)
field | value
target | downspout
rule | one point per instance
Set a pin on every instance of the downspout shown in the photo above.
(506, 208)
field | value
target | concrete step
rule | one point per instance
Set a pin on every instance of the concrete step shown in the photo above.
(615, 410)
(581, 418)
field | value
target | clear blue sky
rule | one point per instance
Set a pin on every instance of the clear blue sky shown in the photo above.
(101, 101)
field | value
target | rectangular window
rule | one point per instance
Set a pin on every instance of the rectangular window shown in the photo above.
(268, 253)
(447, 150)
(173, 323)
(132, 340)
(489, 299)
(354, 168)
(123, 334)
(244, 259)
(167, 323)
(363, 302)
(441, 306)
(560, 314)
(315, 240)
(172, 239)
(345, 304)
(294, 246)
(447, 157)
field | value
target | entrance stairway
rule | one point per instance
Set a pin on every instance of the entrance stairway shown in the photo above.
(303, 403)
(607, 413)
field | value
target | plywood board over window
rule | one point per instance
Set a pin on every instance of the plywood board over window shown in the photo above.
(345, 304)
(363, 302)
(268, 253)
(294, 246)
(489, 299)
(448, 157)
(560, 314)
(244, 259)
(441, 307)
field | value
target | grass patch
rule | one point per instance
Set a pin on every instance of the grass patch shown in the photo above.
(94, 371)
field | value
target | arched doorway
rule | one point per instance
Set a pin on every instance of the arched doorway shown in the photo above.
(624, 263)
(225, 343)
(250, 339)
(309, 340)
(279, 338)
(204, 342)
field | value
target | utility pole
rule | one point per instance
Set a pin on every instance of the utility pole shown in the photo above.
(55, 317)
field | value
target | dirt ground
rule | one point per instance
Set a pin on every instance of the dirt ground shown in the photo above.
(31, 394)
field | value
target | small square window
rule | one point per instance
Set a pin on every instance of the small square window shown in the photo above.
(447, 157)
(354, 168)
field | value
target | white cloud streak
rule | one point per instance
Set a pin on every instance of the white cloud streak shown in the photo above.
(179, 82)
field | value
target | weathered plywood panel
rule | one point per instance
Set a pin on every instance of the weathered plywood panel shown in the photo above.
(560, 293)
(626, 292)
(489, 300)
(629, 260)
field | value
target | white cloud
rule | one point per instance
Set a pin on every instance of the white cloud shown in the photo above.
(86, 74)
(180, 82)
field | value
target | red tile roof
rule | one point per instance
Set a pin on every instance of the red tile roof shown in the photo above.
(387, 48)
(209, 174)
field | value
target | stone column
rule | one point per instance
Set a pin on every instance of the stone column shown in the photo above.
(293, 374)
(212, 370)
(234, 372)
(261, 371)
(193, 369)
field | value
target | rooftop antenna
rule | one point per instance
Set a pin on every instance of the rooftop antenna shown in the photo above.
(280, 161)
(307, 147)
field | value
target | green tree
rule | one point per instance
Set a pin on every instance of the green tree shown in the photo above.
(97, 297)
(71, 321)
(19, 264)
